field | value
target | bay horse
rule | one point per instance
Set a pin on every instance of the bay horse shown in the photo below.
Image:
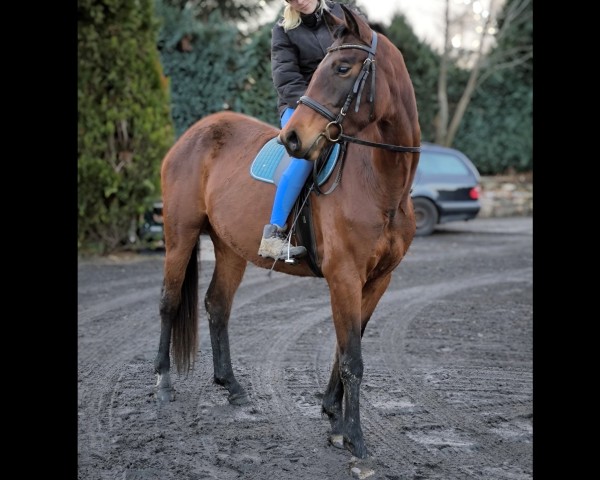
(363, 228)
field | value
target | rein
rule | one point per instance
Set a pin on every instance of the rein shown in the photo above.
(336, 121)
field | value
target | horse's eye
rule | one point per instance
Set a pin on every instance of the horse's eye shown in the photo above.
(343, 69)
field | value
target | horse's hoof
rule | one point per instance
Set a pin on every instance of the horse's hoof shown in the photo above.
(165, 395)
(337, 441)
(239, 398)
(361, 469)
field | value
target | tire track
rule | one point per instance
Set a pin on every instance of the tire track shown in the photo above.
(433, 423)
(446, 391)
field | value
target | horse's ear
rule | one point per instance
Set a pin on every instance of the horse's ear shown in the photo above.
(357, 26)
(331, 20)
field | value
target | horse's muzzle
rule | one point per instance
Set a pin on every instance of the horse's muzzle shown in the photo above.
(294, 146)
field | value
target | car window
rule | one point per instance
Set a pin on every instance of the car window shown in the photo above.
(434, 163)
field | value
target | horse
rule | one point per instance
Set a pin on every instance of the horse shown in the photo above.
(362, 228)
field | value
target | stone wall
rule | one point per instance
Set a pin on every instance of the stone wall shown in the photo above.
(506, 196)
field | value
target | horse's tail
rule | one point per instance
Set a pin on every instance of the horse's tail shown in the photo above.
(185, 322)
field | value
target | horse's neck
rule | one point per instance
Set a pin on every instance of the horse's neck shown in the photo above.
(389, 166)
(392, 171)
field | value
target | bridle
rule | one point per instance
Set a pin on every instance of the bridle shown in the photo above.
(336, 121)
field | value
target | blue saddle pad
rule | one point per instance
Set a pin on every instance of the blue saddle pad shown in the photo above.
(273, 159)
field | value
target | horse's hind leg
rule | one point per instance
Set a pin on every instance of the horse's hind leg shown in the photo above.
(227, 276)
(178, 310)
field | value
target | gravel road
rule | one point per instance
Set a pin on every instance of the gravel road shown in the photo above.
(446, 393)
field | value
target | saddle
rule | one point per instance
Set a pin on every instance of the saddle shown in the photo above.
(268, 166)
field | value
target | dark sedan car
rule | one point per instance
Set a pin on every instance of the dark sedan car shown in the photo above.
(150, 230)
(446, 188)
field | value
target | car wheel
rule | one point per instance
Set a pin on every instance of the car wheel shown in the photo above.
(426, 216)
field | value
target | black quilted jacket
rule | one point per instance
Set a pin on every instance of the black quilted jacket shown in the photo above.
(295, 55)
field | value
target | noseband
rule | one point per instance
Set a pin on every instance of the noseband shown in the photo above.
(359, 84)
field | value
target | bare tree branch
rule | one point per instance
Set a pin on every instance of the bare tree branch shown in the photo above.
(482, 64)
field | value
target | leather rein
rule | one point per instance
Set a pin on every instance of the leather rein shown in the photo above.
(336, 121)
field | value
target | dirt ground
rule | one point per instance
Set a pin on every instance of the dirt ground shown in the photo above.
(447, 391)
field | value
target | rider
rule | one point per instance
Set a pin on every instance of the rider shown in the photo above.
(299, 42)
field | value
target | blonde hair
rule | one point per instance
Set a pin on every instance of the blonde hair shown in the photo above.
(291, 17)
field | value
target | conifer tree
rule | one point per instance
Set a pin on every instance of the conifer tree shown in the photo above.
(124, 125)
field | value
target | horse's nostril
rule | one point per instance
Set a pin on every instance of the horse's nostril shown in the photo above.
(293, 142)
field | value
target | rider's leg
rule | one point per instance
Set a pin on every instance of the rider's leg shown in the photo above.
(290, 185)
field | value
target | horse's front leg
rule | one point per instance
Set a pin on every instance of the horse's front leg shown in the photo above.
(344, 386)
(227, 276)
(332, 404)
(346, 376)
(351, 372)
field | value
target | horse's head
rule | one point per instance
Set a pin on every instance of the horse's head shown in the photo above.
(348, 92)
